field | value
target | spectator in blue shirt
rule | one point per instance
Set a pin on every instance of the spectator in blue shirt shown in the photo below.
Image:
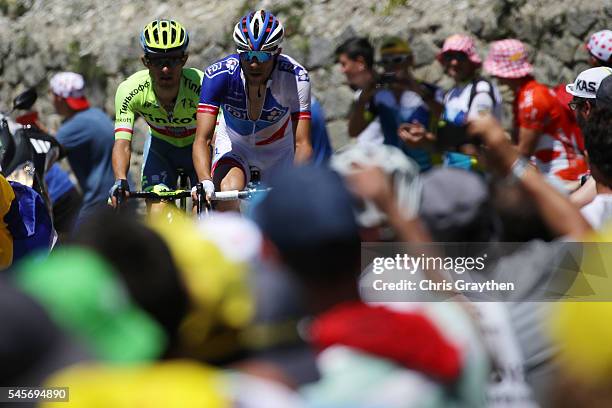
(396, 97)
(321, 148)
(87, 134)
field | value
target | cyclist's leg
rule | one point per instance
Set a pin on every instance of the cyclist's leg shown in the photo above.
(181, 161)
(230, 172)
(156, 169)
(274, 162)
(181, 158)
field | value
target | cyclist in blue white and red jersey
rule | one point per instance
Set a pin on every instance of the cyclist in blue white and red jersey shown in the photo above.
(265, 101)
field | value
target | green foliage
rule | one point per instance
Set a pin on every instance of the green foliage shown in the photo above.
(14, 8)
(86, 65)
(290, 16)
(392, 5)
(247, 6)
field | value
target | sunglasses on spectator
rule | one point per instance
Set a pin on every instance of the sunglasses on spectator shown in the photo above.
(459, 56)
(261, 56)
(164, 62)
(394, 59)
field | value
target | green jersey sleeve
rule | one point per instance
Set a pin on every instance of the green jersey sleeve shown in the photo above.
(127, 98)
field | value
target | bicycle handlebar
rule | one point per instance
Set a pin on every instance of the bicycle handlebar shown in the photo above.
(177, 194)
(230, 195)
(169, 195)
(237, 194)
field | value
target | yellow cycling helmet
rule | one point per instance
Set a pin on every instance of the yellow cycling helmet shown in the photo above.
(161, 36)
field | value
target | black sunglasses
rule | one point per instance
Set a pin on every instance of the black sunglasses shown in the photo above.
(392, 60)
(164, 62)
(459, 56)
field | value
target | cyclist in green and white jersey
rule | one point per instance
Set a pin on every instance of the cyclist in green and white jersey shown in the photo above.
(166, 96)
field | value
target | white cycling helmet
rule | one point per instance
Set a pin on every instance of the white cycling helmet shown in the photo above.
(258, 31)
(403, 170)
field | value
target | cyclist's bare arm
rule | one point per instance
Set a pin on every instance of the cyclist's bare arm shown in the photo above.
(122, 152)
(201, 145)
(303, 144)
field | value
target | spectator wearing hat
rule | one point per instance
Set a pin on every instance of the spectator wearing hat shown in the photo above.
(600, 48)
(87, 135)
(543, 130)
(584, 93)
(470, 96)
(598, 145)
(396, 97)
(603, 96)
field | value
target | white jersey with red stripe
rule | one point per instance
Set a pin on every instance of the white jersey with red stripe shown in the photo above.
(287, 100)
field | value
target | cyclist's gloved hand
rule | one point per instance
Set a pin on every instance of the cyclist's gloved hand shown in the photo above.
(207, 186)
(120, 186)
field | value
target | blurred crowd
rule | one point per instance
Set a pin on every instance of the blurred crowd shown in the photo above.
(267, 308)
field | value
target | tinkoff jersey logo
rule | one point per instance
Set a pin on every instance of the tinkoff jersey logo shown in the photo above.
(126, 101)
(229, 65)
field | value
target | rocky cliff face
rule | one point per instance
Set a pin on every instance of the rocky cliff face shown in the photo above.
(100, 38)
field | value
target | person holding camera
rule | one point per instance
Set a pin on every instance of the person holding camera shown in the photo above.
(470, 96)
(355, 57)
(394, 97)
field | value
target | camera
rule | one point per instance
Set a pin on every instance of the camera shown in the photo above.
(387, 78)
(450, 136)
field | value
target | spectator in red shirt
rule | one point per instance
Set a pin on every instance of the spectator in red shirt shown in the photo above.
(544, 129)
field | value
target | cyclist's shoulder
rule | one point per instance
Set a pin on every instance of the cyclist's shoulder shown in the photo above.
(135, 83)
(136, 78)
(287, 65)
(226, 66)
(193, 73)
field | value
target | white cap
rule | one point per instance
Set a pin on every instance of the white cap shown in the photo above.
(68, 85)
(587, 83)
(600, 45)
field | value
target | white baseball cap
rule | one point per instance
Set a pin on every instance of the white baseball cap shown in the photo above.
(600, 45)
(587, 83)
(71, 86)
